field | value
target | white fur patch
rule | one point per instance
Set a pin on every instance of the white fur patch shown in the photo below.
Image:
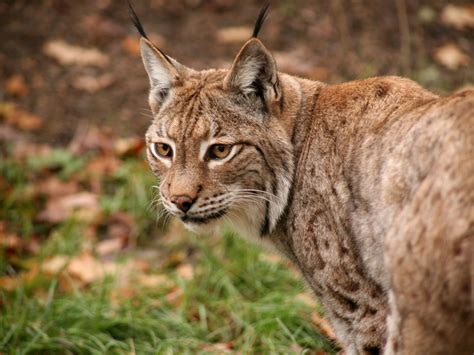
(248, 74)
(158, 73)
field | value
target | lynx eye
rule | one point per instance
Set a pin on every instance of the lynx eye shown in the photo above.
(219, 151)
(161, 150)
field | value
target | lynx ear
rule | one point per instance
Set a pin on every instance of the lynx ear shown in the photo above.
(164, 73)
(254, 71)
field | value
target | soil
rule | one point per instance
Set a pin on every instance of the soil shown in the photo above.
(331, 41)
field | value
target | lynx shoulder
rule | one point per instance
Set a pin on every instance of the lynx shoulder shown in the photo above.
(367, 186)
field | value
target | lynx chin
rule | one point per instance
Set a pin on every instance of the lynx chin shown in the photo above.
(367, 186)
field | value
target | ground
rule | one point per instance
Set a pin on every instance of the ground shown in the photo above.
(329, 41)
(88, 264)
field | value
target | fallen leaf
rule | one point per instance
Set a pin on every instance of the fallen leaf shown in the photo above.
(175, 297)
(90, 138)
(100, 27)
(234, 34)
(28, 149)
(131, 45)
(109, 246)
(451, 56)
(121, 226)
(16, 86)
(92, 83)
(10, 242)
(19, 118)
(175, 258)
(185, 271)
(86, 268)
(458, 16)
(102, 165)
(13, 245)
(122, 294)
(9, 283)
(128, 146)
(323, 325)
(218, 348)
(53, 187)
(68, 54)
(83, 205)
(55, 264)
(153, 281)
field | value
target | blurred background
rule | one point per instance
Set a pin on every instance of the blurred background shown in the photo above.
(89, 262)
(71, 62)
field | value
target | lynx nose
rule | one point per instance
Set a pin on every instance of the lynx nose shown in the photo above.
(183, 202)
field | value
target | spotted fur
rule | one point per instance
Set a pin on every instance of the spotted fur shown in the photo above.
(367, 186)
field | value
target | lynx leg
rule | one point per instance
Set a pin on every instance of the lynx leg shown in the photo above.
(429, 256)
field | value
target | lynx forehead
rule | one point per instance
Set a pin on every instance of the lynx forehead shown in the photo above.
(367, 186)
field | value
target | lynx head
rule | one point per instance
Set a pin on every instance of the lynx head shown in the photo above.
(216, 141)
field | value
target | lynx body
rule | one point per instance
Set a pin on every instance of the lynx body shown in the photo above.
(367, 186)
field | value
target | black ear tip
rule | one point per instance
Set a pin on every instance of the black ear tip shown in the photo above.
(261, 19)
(136, 21)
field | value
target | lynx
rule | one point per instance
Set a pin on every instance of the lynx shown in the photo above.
(367, 186)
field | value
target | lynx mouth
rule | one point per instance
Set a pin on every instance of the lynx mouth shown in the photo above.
(203, 219)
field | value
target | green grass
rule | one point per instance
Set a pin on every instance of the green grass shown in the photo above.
(237, 299)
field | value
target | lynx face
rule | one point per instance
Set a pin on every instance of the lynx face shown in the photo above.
(216, 142)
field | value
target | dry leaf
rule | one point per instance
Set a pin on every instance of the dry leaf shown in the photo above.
(451, 56)
(10, 242)
(28, 150)
(84, 206)
(53, 187)
(128, 146)
(55, 264)
(218, 348)
(152, 281)
(90, 138)
(323, 325)
(86, 268)
(92, 84)
(234, 34)
(121, 294)
(17, 117)
(68, 54)
(131, 45)
(16, 86)
(9, 283)
(185, 271)
(458, 16)
(103, 165)
(109, 246)
(175, 297)
(121, 226)
(100, 27)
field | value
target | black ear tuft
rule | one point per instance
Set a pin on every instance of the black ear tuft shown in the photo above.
(261, 19)
(138, 25)
(136, 20)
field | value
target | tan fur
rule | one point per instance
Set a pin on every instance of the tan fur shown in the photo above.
(367, 186)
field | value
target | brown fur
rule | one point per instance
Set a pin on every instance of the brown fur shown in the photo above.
(367, 186)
